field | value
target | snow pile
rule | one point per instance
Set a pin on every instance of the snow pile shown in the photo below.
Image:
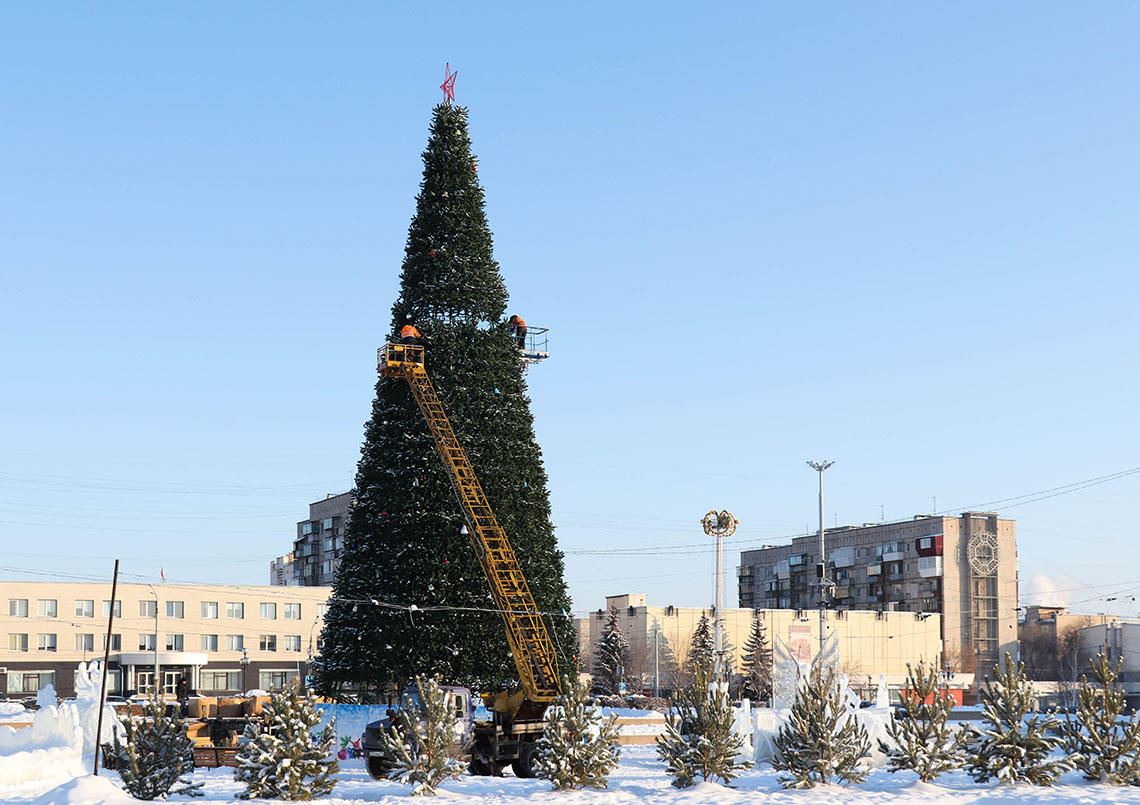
(86, 790)
(61, 734)
(14, 712)
(50, 749)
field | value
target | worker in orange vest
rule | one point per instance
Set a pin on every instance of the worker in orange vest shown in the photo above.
(519, 325)
(409, 334)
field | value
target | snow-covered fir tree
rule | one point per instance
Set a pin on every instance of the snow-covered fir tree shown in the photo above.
(702, 649)
(423, 746)
(611, 657)
(1103, 741)
(923, 740)
(155, 758)
(757, 671)
(579, 746)
(404, 508)
(1016, 745)
(821, 742)
(699, 741)
(282, 757)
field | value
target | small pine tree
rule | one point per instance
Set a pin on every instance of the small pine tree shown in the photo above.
(579, 746)
(282, 758)
(423, 743)
(156, 756)
(611, 656)
(821, 741)
(757, 682)
(702, 649)
(699, 740)
(1101, 741)
(1015, 746)
(922, 737)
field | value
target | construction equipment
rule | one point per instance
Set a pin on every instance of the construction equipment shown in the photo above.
(517, 718)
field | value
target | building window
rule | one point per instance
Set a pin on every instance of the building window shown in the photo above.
(146, 642)
(327, 523)
(175, 609)
(118, 608)
(47, 607)
(235, 610)
(268, 611)
(210, 610)
(46, 642)
(17, 607)
(29, 681)
(235, 642)
(17, 642)
(85, 642)
(209, 642)
(85, 608)
(292, 642)
(148, 609)
(307, 528)
(221, 680)
(322, 610)
(116, 642)
(268, 642)
(175, 642)
(292, 612)
(276, 679)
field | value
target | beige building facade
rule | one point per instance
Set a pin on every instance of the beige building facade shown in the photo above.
(963, 568)
(870, 643)
(206, 638)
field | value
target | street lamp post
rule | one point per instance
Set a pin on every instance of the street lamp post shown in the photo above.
(155, 688)
(244, 661)
(821, 571)
(720, 525)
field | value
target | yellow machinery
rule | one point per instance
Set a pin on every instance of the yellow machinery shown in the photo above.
(527, 635)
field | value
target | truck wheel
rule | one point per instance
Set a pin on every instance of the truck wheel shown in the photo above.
(378, 768)
(525, 765)
(481, 764)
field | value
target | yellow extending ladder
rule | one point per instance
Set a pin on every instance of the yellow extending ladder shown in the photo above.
(527, 635)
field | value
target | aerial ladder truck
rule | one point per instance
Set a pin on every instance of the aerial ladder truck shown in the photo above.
(510, 736)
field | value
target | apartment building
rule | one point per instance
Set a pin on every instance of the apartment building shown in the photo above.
(317, 547)
(218, 638)
(870, 643)
(964, 568)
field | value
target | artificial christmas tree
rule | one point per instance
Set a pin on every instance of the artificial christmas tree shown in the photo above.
(821, 742)
(757, 672)
(155, 757)
(923, 740)
(699, 740)
(1103, 741)
(403, 543)
(282, 758)
(423, 746)
(611, 657)
(1016, 745)
(579, 746)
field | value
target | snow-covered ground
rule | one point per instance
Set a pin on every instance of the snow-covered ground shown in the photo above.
(640, 778)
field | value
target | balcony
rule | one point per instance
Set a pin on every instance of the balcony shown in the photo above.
(929, 566)
(874, 570)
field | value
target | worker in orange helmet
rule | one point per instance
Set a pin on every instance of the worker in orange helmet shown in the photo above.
(519, 330)
(409, 334)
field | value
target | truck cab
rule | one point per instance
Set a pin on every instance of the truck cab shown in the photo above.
(459, 701)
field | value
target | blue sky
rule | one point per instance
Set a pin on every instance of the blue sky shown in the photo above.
(901, 236)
